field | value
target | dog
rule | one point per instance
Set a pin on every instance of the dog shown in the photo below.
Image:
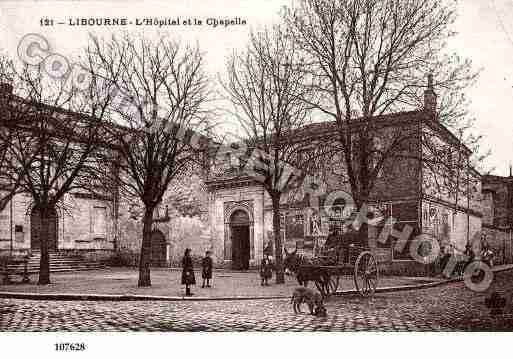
(311, 297)
(320, 312)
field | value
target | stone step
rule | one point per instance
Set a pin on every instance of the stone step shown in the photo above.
(59, 262)
(63, 260)
(60, 269)
(55, 264)
(64, 264)
(54, 255)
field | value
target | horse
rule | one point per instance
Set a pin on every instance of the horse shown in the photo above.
(306, 270)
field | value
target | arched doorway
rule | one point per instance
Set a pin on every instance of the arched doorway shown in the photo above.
(158, 249)
(35, 230)
(241, 248)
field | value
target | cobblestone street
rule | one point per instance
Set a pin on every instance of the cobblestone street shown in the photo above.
(447, 307)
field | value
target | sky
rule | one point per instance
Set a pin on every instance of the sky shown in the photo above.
(484, 35)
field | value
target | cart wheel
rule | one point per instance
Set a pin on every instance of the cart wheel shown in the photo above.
(366, 274)
(333, 283)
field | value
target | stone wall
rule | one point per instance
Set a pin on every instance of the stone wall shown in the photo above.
(399, 176)
(15, 215)
(499, 196)
(80, 228)
(179, 231)
(193, 233)
(76, 226)
(449, 226)
(488, 208)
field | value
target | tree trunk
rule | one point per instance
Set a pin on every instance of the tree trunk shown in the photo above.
(363, 235)
(44, 264)
(363, 231)
(278, 246)
(145, 258)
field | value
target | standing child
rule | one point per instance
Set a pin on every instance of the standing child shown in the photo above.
(206, 273)
(266, 270)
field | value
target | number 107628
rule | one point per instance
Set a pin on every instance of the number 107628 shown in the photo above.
(60, 347)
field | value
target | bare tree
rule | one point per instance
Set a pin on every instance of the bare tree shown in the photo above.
(54, 145)
(370, 58)
(163, 91)
(264, 84)
(186, 196)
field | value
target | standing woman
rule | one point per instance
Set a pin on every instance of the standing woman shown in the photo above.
(188, 272)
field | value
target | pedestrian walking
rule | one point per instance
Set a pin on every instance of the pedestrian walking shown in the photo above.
(188, 272)
(206, 273)
(266, 270)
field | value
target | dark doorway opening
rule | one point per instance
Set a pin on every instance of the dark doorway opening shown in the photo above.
(158, 249)
(240, 247)
(35, 230)
(240, 232)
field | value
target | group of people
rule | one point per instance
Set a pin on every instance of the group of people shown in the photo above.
(188, 277)
(333, 241)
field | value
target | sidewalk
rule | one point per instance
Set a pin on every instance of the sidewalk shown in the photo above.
(166, 283)
(121, 284)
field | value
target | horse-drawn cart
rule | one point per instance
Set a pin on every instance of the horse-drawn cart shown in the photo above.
(326, 269)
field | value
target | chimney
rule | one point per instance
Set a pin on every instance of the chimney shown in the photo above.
(430, 96)
(5, 89)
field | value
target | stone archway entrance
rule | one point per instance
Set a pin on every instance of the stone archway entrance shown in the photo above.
(35, 230)
(240, 238)
(158, 249)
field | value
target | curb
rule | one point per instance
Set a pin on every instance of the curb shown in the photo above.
(137, 297)
(419, 286)
(401, 288)
(122, 297)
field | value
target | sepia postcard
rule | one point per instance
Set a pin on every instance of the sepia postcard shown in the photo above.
(255, 166)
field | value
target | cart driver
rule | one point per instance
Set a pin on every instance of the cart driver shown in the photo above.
(351, 238)
(334, 239)
(333, 244)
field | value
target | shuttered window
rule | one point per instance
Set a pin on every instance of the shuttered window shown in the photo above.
(99, 222)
